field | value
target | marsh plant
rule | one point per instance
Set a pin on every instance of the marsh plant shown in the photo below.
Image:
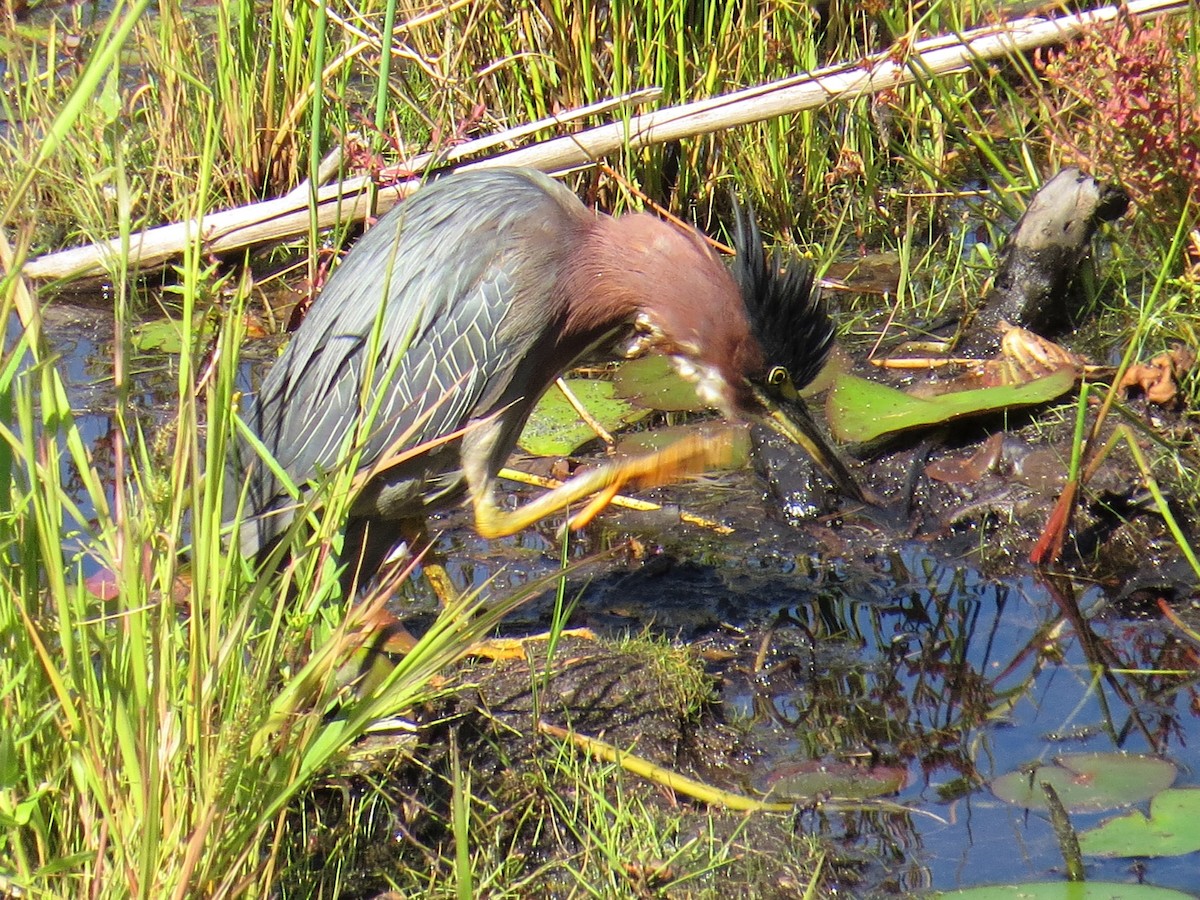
(1125, 103)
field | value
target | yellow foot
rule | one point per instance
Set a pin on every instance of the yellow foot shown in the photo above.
(693, 455)
(514, 648)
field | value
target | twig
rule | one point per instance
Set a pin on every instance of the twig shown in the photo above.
(288, 216)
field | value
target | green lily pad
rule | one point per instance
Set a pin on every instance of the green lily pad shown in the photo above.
(1067, 890)
(1088, 781)
(860, 410)
(162, 335)
(555, 429)
(651, 382)
(1172, 829)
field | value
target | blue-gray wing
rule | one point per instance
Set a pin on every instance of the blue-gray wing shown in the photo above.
(409, 321)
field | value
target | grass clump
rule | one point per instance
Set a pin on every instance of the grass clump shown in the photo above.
(154, 741)
(489, 804)
(235, 85)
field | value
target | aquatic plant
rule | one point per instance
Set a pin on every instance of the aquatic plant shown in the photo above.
(1126, 104)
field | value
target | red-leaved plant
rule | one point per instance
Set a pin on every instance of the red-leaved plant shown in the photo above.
(1126, 105)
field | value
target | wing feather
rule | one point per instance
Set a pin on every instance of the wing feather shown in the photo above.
(439, 272)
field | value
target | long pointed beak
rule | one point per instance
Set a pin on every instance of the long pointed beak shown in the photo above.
(791, 418)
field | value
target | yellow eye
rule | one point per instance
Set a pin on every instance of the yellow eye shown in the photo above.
(778, 376)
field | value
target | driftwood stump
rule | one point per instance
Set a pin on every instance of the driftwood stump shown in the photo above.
(1036, 286)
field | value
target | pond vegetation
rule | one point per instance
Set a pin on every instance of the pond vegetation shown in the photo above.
(179, 723)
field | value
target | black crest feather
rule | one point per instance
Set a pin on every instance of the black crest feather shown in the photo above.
(785, 311)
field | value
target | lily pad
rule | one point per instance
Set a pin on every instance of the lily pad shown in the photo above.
(1172, 829)
(555, 429)
(1067, 890)
(651, 382)
(1088, 781)
(861, 410)
(162, 335)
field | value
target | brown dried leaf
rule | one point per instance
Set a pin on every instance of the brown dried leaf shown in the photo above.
(1158, 379)
(955, 470)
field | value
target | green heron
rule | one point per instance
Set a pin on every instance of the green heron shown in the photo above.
(461, 306)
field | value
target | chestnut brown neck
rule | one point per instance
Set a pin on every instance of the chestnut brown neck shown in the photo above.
(638, 265)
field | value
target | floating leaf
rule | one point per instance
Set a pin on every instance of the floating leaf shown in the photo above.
(652, 383)
(1172, 829)
(163, 335)
(1088, 781)
(861, 410)
(1066, 890)
(555, 429)
(103, 584)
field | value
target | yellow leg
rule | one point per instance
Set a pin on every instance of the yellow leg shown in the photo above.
(621, 500)
(495, 648)
(594, 508)
(693, 455)
(690, 456)
(439, 579)
(375, 544)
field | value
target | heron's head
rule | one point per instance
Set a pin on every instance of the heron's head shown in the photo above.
(748, 340)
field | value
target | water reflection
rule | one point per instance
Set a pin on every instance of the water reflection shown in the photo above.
(81, 341)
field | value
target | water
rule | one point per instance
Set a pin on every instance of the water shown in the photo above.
(847, 641)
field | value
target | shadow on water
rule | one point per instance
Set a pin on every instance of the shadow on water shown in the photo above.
(844, 642)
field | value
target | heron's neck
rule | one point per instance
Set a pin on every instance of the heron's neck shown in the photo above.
(602, 287)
